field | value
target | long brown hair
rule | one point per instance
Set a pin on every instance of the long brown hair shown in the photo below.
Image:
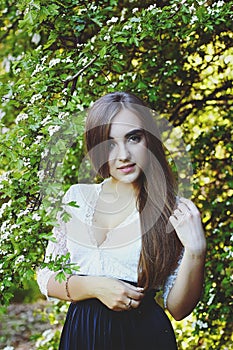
(157, 187)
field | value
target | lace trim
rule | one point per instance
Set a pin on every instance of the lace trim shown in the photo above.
(53, 249)
(89, 215)
(90, 212)
(171, 281)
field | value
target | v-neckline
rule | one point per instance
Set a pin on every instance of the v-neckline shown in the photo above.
(98, 189)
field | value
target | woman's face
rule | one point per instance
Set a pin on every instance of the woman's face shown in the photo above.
(128, 154)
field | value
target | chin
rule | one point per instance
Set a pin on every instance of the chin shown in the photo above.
(130, 179)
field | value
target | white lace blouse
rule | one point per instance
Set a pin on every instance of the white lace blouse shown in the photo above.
(117, 256)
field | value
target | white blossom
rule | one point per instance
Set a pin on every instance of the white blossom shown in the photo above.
(194, 19)
(2, 114)
(46, 120)
(5, 235)
(41, 175)
(7, 62)
(85, 60)
(139, 27)
(4, 130)
(36, 38)
(26, 161)
(46, 337)
(192, 8)
(54, 61)
(39, 68)
(62, 115)
(36, 216)
(68, 60)
(23, 212)
(22, 86)
(151, 7)
(219, 4)
(38, 139)
(35, 98)
(107, 37)
(211, 296)
(127, 27)
(43, 59)
(4, 206)
(135, 10)
(215, 8)
(20, 117)
(38, 48)
(112, 20)
(4, 177)
(93, 7)
(45, 153)
(202, 324)
(52, 129)
(19, 259)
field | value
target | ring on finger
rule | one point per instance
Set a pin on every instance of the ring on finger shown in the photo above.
(129, 305)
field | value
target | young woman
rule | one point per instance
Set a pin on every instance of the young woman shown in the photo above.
(131, 236)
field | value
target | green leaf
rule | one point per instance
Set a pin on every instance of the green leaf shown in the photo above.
(73, 204)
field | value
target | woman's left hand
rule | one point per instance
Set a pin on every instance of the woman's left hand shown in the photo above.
(186, 221)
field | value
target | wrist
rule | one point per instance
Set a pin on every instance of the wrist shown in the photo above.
(68, 288)
(80, 287)
(198, 254)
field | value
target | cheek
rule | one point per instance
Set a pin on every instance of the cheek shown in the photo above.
(113, 154)
(143, 154)
(111, 157)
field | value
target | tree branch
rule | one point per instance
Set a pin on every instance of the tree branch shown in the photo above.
(74, 78)
(202, 102)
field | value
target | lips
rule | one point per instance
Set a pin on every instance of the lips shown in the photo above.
(127, 168)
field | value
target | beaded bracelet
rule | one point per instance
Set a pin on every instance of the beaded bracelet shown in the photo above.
(67, 288)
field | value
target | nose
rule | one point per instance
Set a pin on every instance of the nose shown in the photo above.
(123, 152)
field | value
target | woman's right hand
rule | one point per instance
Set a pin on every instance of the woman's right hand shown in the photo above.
(116, 294)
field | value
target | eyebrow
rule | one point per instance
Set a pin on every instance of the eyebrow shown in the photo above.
(130, 133)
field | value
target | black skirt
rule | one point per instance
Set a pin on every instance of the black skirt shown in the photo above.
(90, 325)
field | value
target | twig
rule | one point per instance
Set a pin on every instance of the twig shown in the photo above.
(74, 77)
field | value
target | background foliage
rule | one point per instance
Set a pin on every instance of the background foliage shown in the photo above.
(56, 59)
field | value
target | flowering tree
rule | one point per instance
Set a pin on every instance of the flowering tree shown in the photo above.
(57, 58)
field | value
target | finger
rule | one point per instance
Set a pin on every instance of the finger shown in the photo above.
(189, 204)
(135, 295)
(131, 286)
(135, 304)
(134, 292)
(174, 221)
(178, 214)
(183, 208)
(128, 303)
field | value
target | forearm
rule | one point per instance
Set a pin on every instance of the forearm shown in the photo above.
(114, 293)
(188, 286)
(78, 287)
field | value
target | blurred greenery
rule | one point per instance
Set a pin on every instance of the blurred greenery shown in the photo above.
(56, 59)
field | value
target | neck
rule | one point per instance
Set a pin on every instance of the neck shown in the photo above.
(121, 188)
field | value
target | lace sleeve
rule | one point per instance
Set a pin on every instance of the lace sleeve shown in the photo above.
(53, 249)
(170, 282)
